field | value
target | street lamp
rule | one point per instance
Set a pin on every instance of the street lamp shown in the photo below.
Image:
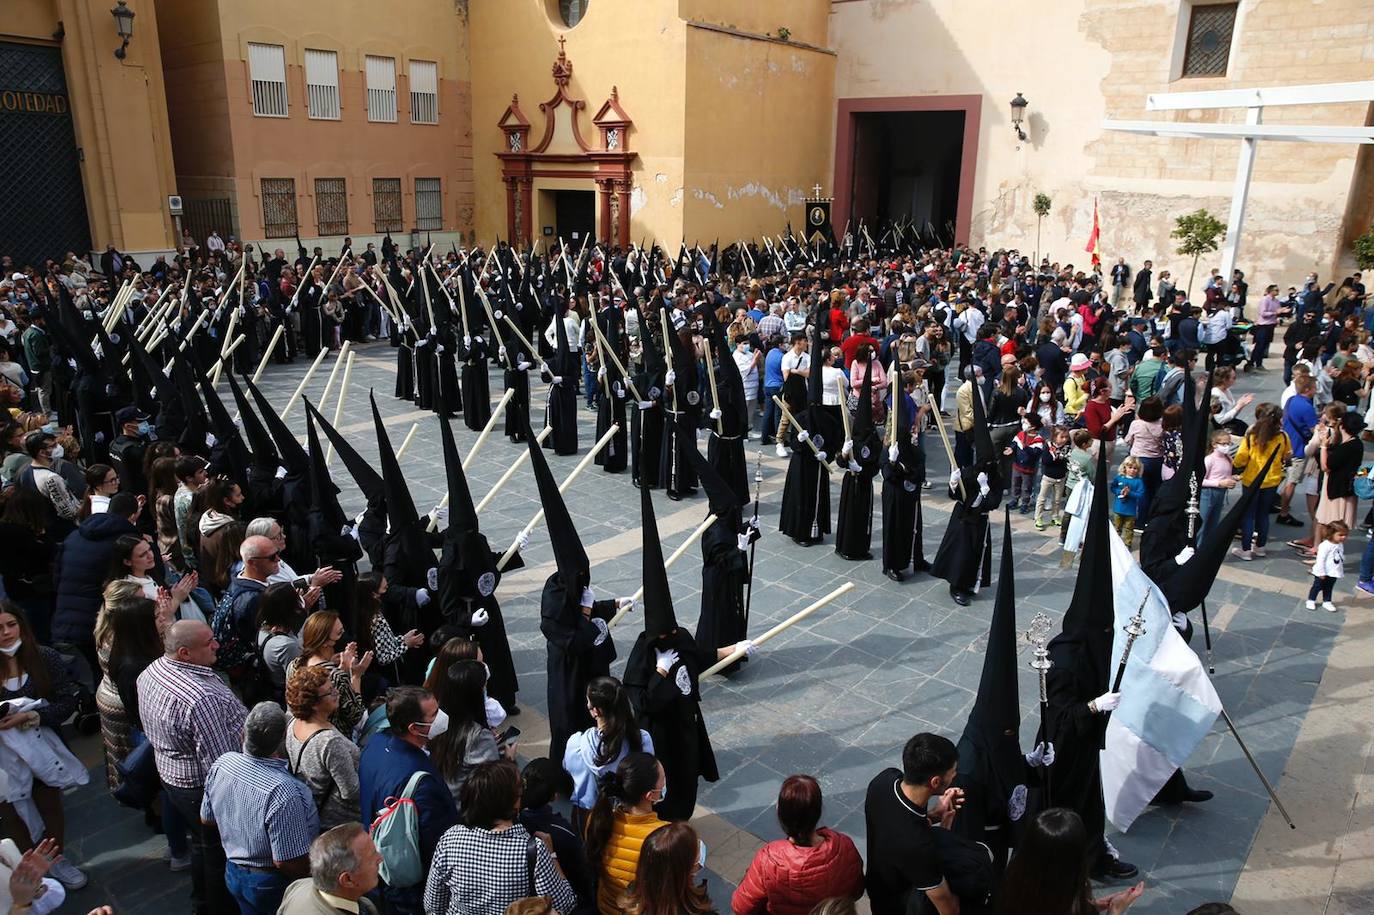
(1018, 113)
(124, 25)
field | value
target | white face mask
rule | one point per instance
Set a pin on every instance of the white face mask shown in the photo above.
(439, 725)
(1045, 397)
(58, 451)
(12, 650)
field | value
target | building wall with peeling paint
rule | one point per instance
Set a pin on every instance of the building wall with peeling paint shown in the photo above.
(1081, 61)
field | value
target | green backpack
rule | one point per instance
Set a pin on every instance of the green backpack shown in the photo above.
(396, 833)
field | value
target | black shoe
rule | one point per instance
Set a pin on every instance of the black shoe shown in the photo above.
(895, 576)
(960, 597)
(1114, 869)
(1197, 795)
(1288, 521)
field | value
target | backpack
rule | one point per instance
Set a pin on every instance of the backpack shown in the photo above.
(396, 833)
(242, 661)
(1364, 484)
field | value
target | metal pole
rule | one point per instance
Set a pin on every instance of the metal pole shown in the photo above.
(1273, 795)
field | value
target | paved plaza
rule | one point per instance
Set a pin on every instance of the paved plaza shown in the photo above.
(838, 695)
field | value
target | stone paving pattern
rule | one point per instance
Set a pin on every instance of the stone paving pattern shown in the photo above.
(837, 695)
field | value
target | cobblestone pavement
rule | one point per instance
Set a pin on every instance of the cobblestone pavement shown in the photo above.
(839, 694)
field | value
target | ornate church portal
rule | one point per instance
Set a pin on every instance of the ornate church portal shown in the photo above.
(543, 175)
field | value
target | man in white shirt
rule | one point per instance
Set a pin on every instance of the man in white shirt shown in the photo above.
(1213, 332)
(214, 242)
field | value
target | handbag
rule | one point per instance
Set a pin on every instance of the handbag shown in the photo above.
(139, 783)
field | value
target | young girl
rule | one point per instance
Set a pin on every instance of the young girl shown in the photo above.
(1217, 481)
(1127, 488)
(1328, 566)
(1054, 467)
(1026, 448)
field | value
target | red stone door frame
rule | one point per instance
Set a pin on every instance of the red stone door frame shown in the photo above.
(846, 128)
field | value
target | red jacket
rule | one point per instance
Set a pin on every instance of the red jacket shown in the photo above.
(786, 879)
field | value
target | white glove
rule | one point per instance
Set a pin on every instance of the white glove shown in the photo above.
(467, 341)
(480, 618)
(664, 660)
(743, 541)
(603, 630)
(522, 366)
(544, 368)
(501, 351)
(1041, 756)
(854, 465)
(209, 439)
(646, 404)
(441, 516)
(432, 579)
(601, 373)
(421, 597)
(754, 522)
(821, 456)
(522, 541)
(803, 435)
(348, 530)
(1184, 555)
(588, 598)
(281, 473)
(669, 378)
(983, 483)
(558, 380)
(1106, 702)
(497, 314)
(847, 447)
(715, 414)
(893, 452)
(746, 646)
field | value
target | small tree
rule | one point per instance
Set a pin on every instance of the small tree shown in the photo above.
(1198, 233)
(1364, 250)
(1041, 205)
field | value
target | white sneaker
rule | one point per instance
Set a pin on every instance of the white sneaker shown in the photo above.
(781, 450)
(1259, 552)
(178, 864)
(67, 874)
(1328, 606)
(1311, 605)
(1247, 555)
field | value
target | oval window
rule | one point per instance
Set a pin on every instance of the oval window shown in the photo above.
(572, 11)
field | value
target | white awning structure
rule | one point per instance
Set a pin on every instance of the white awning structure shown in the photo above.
(1254, 101)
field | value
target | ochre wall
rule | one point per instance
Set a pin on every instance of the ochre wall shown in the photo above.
(637, 46)
(222, 148)
(1107, 55)
(119, 112)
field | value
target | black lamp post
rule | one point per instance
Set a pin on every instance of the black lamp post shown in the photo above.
(1018, 113)
(124, 25)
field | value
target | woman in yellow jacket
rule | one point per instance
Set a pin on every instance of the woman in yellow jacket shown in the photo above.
(1264, 439)
(620, 822)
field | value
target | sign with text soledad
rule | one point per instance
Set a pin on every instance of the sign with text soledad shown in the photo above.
(20, 101)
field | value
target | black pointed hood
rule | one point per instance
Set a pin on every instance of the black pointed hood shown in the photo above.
(190, 437)
(863, 416)
(289, 449)
(721, 496)
(1167, 532)
(324, 495)
(574, 568)
(1090, 620)
(985, 456)
(820, 332)
(990, 748)
(659, 619)
(400, 507)
(264, 449)
(230, 455)
(965, 357)
(364, 475)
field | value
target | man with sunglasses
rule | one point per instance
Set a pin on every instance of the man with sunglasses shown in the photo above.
(235, 621)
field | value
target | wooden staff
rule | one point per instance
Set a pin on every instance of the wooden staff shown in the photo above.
(844, 409)
(463, 304)
(229, 351)
(195, 326)
(605, 345)
(944, 438)
(306, 277)
(333, 375)
(667, 564)
(562, 488)
(793, 421)
(510, 471)
(271, 348)
(491, 316)
(711, 380)
(150, 321)
(534, 353)
(300, 388)
(780, 627)
(384, 306)
(405, 444)
(472, 452)
(338, 404)
(895, 388)
(229, 331)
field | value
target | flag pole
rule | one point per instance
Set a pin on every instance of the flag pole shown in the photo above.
(1273, 795)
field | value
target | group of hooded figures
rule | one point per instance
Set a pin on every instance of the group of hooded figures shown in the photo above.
(443, 356)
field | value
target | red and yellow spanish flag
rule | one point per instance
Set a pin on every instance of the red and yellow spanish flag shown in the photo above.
(1093, 246)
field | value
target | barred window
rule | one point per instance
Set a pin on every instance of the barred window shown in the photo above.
(267, 71)
(322, 84)
(386, 204)
(381, 88)
(331, 206)
(279, 207)
(1210, 29)
(429, 204)
(424, 92)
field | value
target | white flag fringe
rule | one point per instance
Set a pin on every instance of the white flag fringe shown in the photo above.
(1167, 705)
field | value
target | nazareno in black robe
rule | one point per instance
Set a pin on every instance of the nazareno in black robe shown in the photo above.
(903, 523)
(561, 413)
(476, 386)
(578, 651)
(724, 571)
(854, 523)
(467, 583)
(806, 491)
(670, 710)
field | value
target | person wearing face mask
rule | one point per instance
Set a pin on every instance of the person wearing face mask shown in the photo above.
(395, 764)
(322, 646)
(317, 754)
(620, 822)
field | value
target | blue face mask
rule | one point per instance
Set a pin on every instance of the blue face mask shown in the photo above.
(144, 428)
(50, 428)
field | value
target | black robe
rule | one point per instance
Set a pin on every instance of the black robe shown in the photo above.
(425, 375)
(903, 541)
(561, 413)
(518, 408)
(854, 524)
(448, 397)
(578, 651)
(646, 434)
(1078, 734)
(476, 387)
(465, 586)
(724, 572)
(805, 494)
(966, 547)
(405, 369)
(670, 710)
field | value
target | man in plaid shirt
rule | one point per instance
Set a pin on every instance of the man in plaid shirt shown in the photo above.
(192, 718)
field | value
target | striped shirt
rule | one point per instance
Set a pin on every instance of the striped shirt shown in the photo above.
(264, 815)
(771, 325)
(191, 719)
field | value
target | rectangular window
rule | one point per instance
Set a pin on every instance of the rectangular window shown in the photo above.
(1210, 29)
(322, 84)
(429, 204)
(386, 204)
(331, 206)
(381, 88)
(279, 207)
(267, 71)
(424, 92)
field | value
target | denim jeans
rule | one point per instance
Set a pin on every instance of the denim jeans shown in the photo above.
(257, 892)
(771, 413)
(589, 388)
(1151, 470)
(1264, 335)
(209, 896)
(1211, 502)
(1367, 561)
(1254, 526)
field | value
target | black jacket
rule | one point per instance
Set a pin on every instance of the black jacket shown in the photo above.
(83, 560)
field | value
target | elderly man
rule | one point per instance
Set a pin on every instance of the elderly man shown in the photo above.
(192, 718)
(265, 817)
(343, 869)
(235, 619)
(311, 584)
